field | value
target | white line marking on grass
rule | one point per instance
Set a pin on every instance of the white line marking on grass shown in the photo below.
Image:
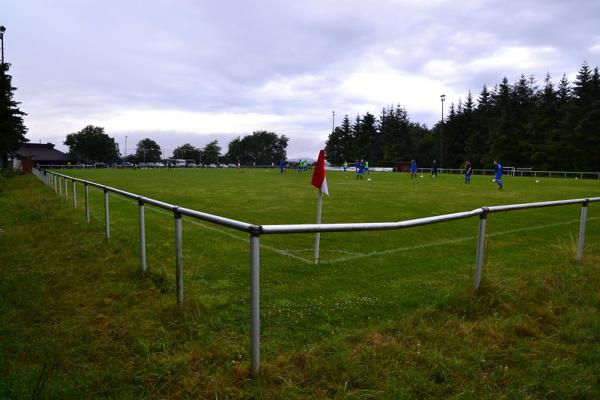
(457, 240)
(329, 251)
(357, 255)
(224, 232)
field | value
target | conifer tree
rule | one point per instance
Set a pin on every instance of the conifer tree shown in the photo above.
(12, 128)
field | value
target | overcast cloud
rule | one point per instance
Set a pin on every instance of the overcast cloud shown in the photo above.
(195, 71)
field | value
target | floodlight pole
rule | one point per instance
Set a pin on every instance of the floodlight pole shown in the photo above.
(333, 121)
(443, 98)
(2, 30)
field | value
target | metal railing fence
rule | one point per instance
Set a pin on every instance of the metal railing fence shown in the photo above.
(519, 172)
(59, 183)
(509, 171)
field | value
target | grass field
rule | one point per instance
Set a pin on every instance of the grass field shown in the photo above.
(385, 315)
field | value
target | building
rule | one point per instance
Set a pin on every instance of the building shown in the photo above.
(34, 154)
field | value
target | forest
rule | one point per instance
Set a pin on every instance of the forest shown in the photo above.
(523, 124)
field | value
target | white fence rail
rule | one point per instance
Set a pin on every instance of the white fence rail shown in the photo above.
(510, 171)
(519, 172)
(60, 184)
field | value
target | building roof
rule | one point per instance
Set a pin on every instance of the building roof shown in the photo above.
(41, 152)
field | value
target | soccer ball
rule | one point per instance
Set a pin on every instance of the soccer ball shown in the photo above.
(421, 176)
(493, 180)
(369, 179)
(537, 181)
(576, 178)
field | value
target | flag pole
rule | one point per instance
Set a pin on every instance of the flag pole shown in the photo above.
(319, 181)
(318, 235)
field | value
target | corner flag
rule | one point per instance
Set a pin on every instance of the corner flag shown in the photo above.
(319, 180)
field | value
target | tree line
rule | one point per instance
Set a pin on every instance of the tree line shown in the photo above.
(552, 126)
(523, 124)
(92, 144)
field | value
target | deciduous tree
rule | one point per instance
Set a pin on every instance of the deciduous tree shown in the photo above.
(148, 150)
(91, 144)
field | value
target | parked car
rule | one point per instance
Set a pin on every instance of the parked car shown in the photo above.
(100, 165)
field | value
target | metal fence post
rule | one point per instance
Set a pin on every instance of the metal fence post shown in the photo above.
(74, 194)
(66, 189)
(60, 187)
(106, 214)
(255, 302)
(142, 238)
(584, 209)
(178, 257)
(87, 203)
(480, 249)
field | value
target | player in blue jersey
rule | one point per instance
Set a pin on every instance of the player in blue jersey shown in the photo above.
(498, 169)
(360, 169)
(413, 169)
(468, 171)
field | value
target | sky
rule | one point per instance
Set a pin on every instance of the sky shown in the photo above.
(182, 71)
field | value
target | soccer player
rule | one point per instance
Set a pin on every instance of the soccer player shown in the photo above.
(345, 165)
(281, 166)
(360, 169)
(498, 169)
(434, 169)
(413, 169)
(468, 172)
(367, 167)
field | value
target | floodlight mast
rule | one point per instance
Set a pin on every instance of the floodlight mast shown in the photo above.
(2, 30)
(333, 121)
(442, 98)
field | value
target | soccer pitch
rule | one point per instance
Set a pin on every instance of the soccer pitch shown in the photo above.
(375, 273)
(386, 314)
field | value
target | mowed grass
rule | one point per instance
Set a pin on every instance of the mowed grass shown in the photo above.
(384, 315)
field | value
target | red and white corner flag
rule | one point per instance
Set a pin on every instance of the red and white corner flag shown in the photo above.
(319, 180)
